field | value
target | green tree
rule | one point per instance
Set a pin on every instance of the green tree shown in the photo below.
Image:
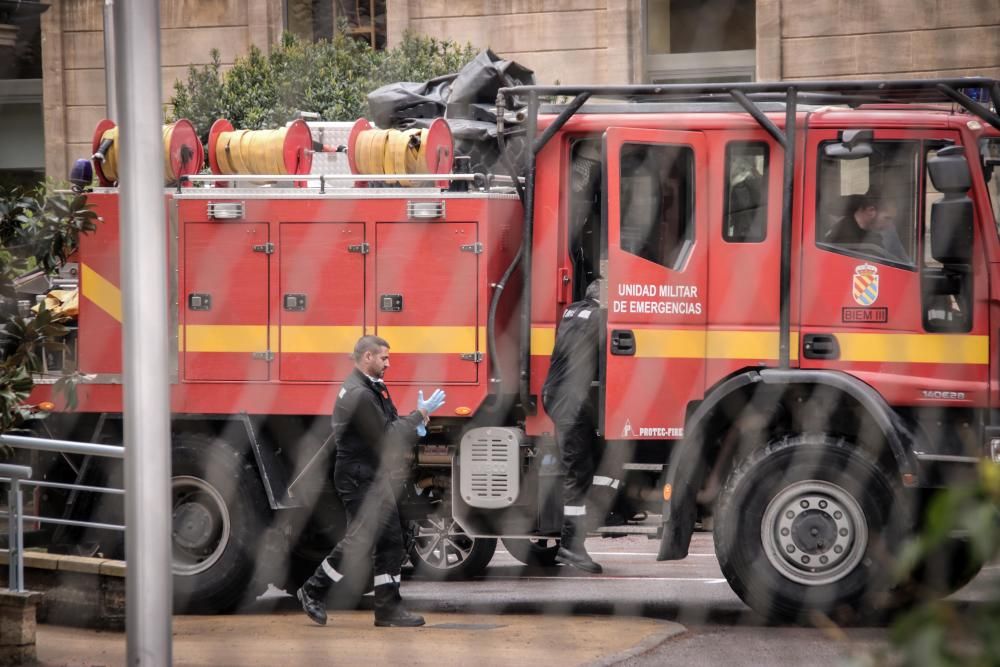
(332, 78)
(39, 228)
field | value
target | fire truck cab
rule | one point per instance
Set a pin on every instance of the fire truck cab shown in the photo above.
(798, 335)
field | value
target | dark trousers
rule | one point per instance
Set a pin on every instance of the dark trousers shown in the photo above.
(586, 498)
(576, 438)
(373, 524)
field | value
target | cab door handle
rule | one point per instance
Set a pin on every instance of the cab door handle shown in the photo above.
(820, 346)
(622, 342)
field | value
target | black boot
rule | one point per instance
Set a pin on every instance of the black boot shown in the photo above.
(314, 607)
(389, 609)
(571, 550)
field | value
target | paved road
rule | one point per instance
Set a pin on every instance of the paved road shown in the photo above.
(639, 612)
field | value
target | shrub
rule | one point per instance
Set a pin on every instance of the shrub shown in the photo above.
(332, 78)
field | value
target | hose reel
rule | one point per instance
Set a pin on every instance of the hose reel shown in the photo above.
(284, 151)
(182, 151)
(373, 151)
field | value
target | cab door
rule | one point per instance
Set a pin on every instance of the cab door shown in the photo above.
(657, 263)
(875, 303)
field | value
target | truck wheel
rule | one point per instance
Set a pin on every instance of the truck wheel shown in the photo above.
(442, 551)
(535, 552)
(807, 524)
(219, 512)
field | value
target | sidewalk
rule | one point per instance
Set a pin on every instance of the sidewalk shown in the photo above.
(289, 639)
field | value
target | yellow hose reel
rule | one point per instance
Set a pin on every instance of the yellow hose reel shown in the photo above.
(372, 151)
(284, 151)
(182, 151)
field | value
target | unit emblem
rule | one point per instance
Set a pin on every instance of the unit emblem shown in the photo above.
(865, 284)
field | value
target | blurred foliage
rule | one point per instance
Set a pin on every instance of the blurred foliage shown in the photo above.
(332, 78)
(945, 633)
(39, 228)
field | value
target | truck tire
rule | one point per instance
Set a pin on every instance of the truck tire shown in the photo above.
(533, 552)
(808, 524)
(440, 550)
(219, 511)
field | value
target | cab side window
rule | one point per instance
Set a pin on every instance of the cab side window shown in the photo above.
(744, 219)
(867, 207)
(990, 148)
(657, 203)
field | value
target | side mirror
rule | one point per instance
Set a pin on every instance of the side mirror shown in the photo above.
(949, 170)
(951, 230)
(951, 217)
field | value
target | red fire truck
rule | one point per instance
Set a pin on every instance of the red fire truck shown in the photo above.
(797, 385)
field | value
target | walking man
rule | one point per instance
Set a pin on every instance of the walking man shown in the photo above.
(566, 397)
(372, 440)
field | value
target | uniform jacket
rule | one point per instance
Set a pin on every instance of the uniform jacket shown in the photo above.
(367, 429)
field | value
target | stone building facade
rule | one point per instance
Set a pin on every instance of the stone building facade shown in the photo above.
(570, 41)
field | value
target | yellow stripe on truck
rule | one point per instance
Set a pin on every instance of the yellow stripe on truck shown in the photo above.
(317, 339)
(914, 348)
(543, 339)
(712, 344)
(225, 338)
(101, 292)
(432, 340)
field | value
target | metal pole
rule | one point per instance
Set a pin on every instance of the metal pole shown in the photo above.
(146, 388)
(785, 270)
(110, 83)
(14, 547)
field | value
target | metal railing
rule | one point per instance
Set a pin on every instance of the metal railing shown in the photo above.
(15, 545)
(21, 475)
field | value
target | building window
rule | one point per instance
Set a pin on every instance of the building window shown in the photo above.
(657, 202)
(700, 40)
(22, 160)
(316, 19)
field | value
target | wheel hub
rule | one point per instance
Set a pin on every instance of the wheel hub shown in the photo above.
(814, 532)
(194, 526)
(201, 525)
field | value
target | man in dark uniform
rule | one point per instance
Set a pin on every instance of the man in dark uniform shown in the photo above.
(869, 219)
(372, 440)
(566, 396)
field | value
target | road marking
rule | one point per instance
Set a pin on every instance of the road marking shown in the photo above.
(574, 577)
(624, 553)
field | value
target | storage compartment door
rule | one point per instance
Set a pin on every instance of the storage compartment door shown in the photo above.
(322, 290)
(426, 282)
(224, 301)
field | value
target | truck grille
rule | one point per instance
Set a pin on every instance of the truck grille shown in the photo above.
(490, 467)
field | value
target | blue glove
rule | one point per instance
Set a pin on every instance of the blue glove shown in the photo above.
(421, 430)
(431, 404)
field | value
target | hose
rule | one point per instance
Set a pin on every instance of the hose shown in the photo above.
(251, 151)
(109, 153)
(392, 152)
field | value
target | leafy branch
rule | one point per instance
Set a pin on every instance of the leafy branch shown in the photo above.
(39, 229)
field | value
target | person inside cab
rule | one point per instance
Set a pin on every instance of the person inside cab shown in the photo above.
(869, 224)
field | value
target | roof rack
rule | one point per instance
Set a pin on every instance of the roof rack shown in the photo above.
(747, 95)
(853, 93)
